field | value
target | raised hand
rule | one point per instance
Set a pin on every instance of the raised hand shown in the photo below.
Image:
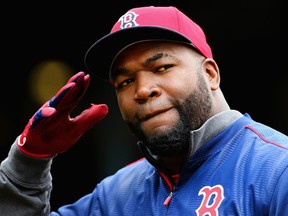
(52, 130)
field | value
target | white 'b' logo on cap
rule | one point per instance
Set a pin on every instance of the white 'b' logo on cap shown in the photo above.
(128, 20)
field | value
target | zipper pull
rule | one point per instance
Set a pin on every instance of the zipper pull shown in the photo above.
(168, 199)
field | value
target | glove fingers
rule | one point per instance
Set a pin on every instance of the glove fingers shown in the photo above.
(70, 95)
(89, 117)
(44, 112)
(52, 130)
(71, 82)
(74, 94)
(79, 90)
(75, 77)
(60, 94)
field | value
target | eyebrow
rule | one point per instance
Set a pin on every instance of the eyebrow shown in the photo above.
(154, 58)
(147, 62)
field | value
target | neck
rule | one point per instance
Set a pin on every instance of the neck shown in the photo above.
(174, 163)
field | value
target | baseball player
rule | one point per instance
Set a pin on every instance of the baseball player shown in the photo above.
(199, 156)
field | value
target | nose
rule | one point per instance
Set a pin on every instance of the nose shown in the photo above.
(146, 87)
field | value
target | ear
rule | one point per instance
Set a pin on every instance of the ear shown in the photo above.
(212, 71)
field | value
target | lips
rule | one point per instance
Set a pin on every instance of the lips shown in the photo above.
(152, 114)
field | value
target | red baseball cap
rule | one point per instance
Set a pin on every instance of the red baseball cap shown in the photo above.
(144, 24)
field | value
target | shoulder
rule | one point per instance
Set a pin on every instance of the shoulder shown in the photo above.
(131, 173)
(126, 182)
(268, 135)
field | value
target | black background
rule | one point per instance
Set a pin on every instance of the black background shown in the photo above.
(247, 39)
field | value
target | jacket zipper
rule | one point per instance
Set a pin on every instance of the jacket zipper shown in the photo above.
(171, 186)
(161, 169)
(168, 199)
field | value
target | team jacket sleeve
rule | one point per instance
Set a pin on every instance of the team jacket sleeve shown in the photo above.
(279, 202)
(25, 184)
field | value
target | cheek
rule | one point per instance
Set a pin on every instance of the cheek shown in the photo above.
(180, 90)
(126, 108)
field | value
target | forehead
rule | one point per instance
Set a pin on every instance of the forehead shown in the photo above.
(150, 46)
(146, 49)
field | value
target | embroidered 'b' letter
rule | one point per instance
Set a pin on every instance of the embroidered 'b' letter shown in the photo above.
(212, 198)
(128, 20)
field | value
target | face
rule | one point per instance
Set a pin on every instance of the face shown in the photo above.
(162, 94)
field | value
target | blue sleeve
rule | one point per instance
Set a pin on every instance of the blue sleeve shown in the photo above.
(279, 202)
(85, 206)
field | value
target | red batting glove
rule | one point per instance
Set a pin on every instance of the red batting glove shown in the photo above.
(51, 130)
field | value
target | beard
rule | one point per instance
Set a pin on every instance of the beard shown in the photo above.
(193, 112)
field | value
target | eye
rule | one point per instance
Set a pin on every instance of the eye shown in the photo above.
(124, 83)
(164, 68)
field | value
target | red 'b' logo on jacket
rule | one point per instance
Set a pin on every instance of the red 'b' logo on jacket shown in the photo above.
(212, 198)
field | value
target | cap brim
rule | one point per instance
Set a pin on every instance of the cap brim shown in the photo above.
(101, 54)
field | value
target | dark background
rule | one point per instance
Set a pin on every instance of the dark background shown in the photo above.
(247, 39)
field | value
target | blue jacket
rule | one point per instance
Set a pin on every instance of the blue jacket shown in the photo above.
(238, 170)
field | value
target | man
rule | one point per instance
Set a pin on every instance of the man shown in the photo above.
(200, 157)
